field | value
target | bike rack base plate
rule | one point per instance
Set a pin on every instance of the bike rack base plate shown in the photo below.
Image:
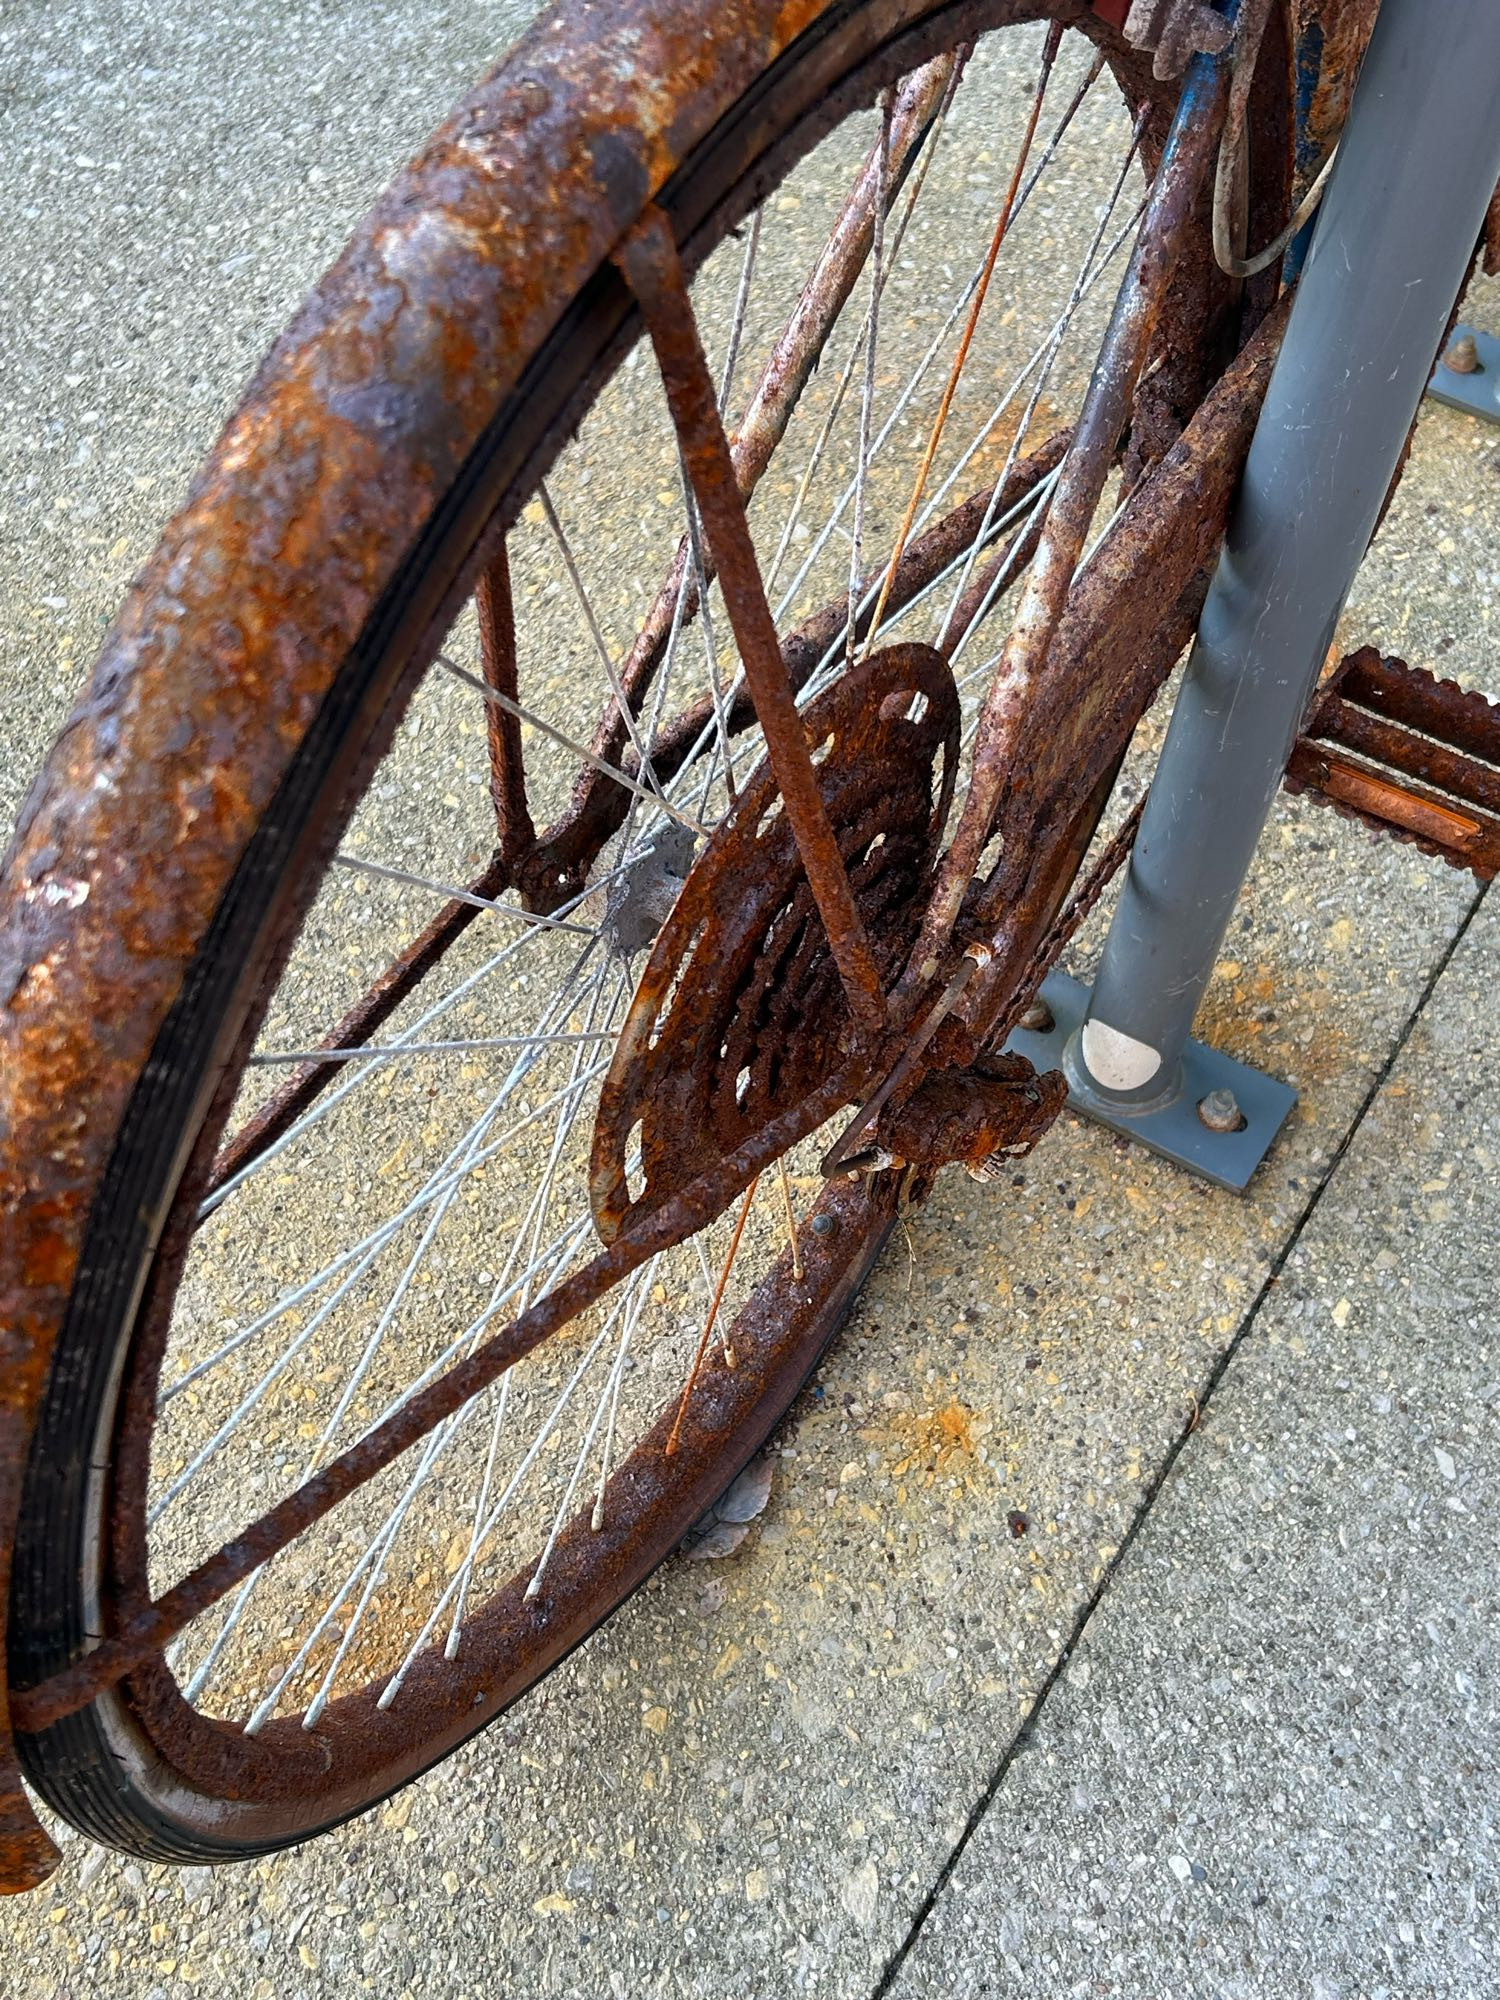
(1174, 1130)
(1478, 393)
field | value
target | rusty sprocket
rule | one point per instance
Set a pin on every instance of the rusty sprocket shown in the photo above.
(740, 1011)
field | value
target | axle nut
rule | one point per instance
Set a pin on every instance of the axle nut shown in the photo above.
(1220, 1112)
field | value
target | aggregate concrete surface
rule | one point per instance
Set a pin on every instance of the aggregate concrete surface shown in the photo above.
(754, 1781)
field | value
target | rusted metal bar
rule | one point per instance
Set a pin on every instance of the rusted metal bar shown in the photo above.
(650, 263)
(787, 370)
(1425, 762)
(840, 262)
(1114, 649)
(495, 613)
(1189, 156)
(1382, 742)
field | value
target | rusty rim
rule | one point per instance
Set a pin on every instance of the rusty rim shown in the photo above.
(277, 1783)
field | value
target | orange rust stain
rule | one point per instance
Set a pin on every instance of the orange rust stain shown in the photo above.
(933, 1441)
(1229, 1019)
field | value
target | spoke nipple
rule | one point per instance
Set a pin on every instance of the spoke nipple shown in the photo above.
(534, 1587)
(1220, 1112)
(729, 1361)
(596, 1519)
(1037, 1020)
(824, 1224)
(1462, 357)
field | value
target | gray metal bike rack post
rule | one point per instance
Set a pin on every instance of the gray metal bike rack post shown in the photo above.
(1418, 161)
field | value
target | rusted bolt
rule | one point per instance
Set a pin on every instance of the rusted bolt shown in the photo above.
(1220, 1111)
(1462, 357)
(1037, 1020)
(824, 1224)
(535, 96)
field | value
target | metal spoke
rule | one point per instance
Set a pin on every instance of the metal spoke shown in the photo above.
(791, 1218)
(383, 870)
(934, 347)
(1044, 373)
(336, 1096)
(815, 457)
(699, 575)
(976, 306)
(560, 1251)
(533, 1220)
(385, 1052)
(867, 395)
(622, 700)
(741, 306)
(370, 1245)
(393, 1685)
(574, 749)
(617, 1374)
(712, 1315)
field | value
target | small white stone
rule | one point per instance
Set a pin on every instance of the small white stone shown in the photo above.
(1445, 1463)
(195, 1882)
(1180, 1866)
(859, 1893)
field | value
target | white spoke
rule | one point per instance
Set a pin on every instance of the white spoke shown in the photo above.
(617, 1374)
(393, 1686)
(867, 395)
(386, 873)
(741, 304)
(653, 798)
(563, 1250)
(364, 1253)
(1059, 334)
(445, 1005)
(600, 642)
(384, 1052)
(537, 1210)
(815, 457)
(699, 573)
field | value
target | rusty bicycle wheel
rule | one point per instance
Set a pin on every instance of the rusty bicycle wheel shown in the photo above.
(420, 1029)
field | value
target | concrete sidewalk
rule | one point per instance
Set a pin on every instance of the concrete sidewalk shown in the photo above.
(1272, 1764)
(797, 1770)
